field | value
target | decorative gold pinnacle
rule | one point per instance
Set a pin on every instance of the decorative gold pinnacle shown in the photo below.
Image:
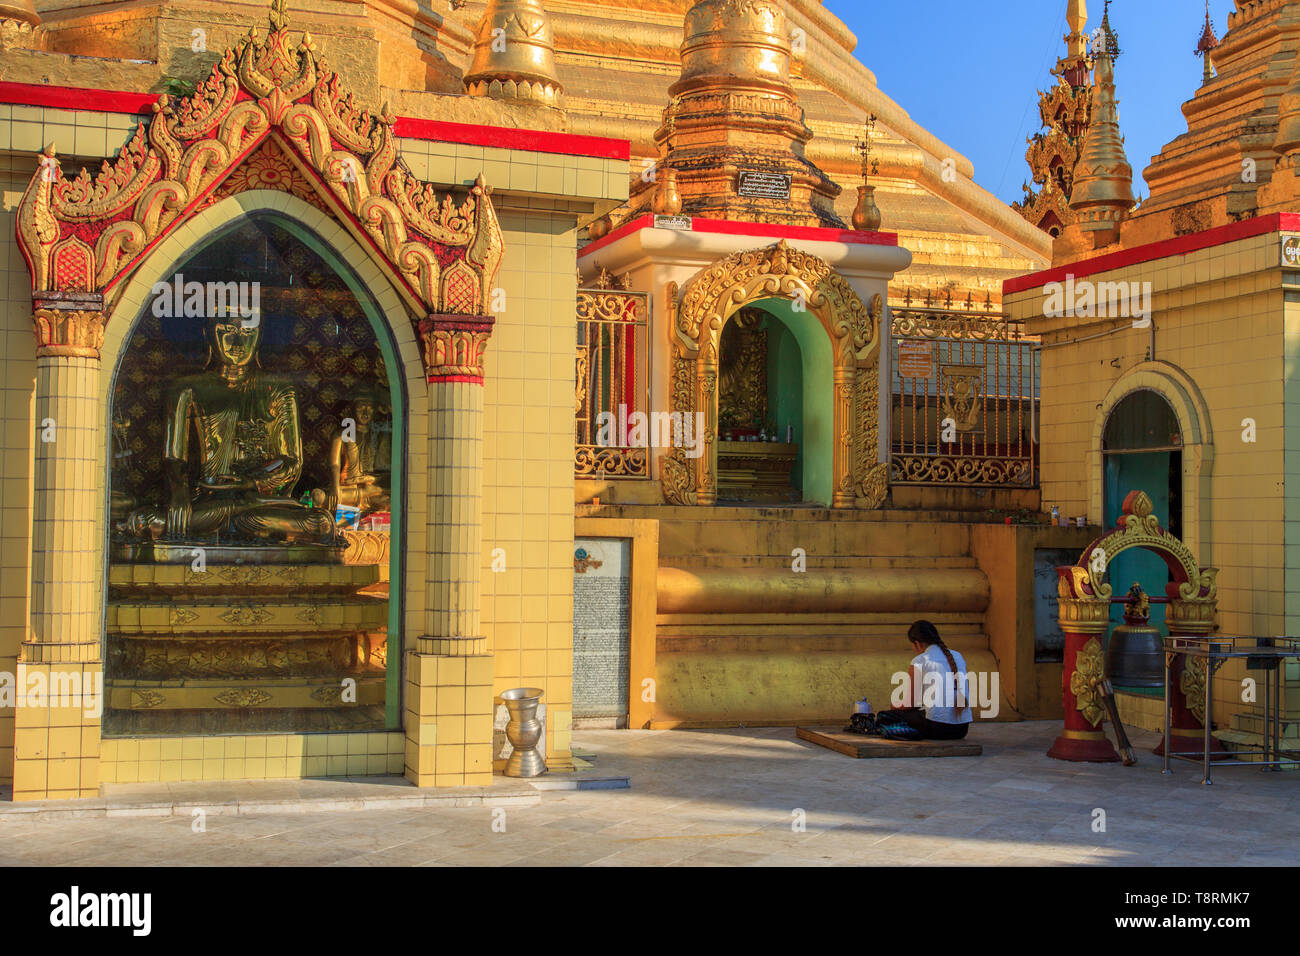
(869, 166)
(1103, 178)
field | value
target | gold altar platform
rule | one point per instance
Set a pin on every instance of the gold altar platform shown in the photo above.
(757, 471)
(251, 648)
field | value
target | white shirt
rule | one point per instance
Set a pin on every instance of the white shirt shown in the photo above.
(937, 694)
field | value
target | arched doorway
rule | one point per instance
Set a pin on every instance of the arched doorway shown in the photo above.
(259, 393)
(1142, 449)
(775, 413)
(838, 339)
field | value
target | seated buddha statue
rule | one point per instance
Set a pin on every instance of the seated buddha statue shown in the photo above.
(359, 460)
(243, 427)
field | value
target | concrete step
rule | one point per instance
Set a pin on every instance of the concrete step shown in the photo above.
(1238, 741)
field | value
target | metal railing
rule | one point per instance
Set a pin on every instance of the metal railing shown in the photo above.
(965, 399)
(611, 382)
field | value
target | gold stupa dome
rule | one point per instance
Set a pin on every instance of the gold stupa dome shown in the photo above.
(24, 10)
(735, 43)
(514, 54)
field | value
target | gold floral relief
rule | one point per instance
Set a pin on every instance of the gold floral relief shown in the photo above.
(1086, 679)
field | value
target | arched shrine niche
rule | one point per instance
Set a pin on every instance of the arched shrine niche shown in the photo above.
(255, 484)
(808, 294)
(247, 588)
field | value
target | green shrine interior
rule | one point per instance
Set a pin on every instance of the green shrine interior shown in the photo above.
(255, 487)
(775, 414)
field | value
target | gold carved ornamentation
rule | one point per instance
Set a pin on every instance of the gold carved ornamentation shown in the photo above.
(1138, 527)
(145, 699)
(87, 234)
(589, 460)
(928, 323)
(963, 470)
(962, 391)
(1192, 683)
(242, 697)
(206, 658)
(1085, 681)
(581, 369)
(245, 615)
(454, 347)
(366, 547)
(710, 300)
(69, 332)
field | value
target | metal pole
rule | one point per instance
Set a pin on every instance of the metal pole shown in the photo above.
(1277, 716)
(1268, 713)
(1168, 740)
(1209, 682)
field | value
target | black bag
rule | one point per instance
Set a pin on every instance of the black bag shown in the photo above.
(862, 724)
(892, 725)
(889, 724)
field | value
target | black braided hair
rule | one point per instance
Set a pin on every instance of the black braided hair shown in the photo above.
(925, 633)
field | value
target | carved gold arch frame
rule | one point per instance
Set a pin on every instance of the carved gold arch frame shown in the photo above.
(269, 116)
(1083, 596)
(696, 321)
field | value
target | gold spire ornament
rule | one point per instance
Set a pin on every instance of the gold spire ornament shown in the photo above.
(735, 115)
(1053, 152)
(1103, 179)
(1208, 43)
(866, 214)
(514, 55)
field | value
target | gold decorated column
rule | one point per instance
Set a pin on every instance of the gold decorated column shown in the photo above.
(842, 457)
(60, 674)
(449, 674)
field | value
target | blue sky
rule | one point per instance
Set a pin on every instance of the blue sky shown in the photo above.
(970, 71)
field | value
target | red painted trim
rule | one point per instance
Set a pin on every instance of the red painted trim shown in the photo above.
(729, 227)
(76, 98)
(1162, 249)
(472, 379)
(531, 140)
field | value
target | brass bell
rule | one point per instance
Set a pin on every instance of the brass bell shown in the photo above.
(1135, 655)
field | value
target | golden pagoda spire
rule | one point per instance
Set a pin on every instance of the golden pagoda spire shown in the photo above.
(18, 23)
(733, 136)
(1208, 43)
(1076, 43)
(1103, 179)
(514, 54)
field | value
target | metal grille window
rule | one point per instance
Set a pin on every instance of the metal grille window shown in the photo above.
(612, 381)
(965, 400)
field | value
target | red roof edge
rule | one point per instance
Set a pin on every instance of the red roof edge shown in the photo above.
(1161, 249)
(532, 140)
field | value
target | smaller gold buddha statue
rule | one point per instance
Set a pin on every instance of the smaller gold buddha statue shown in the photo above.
(359, 459)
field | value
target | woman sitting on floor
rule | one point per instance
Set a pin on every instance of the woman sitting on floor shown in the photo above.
(949, 716)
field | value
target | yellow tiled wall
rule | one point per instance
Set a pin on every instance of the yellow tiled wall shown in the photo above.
(1220, 317)
(259, 757)
(527, 608)
(80, 138)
